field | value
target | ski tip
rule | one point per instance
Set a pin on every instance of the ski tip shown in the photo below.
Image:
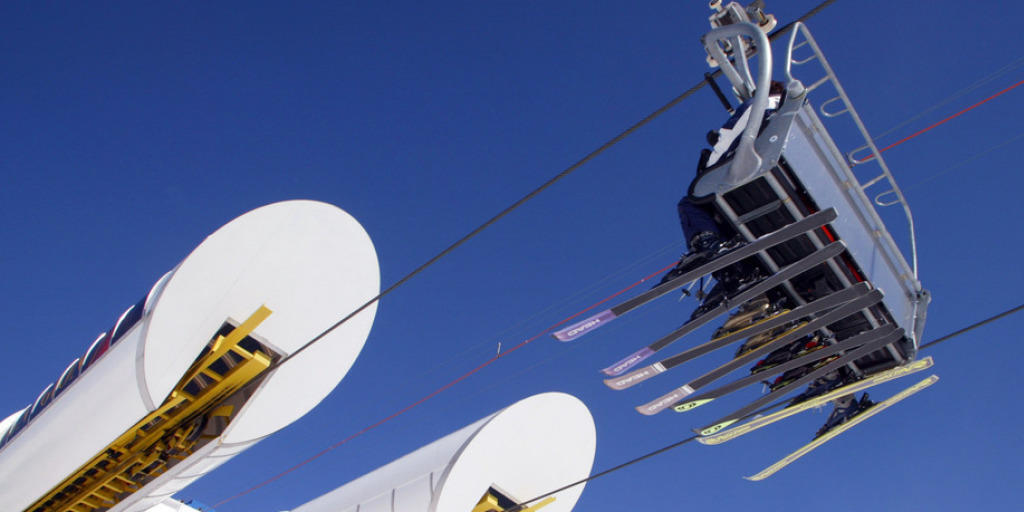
(649, 409)
(653, 408)
(631, 379)
(711, 440)
(755, 478)
(584, 326)
(715, 428)
(627, 363)
(690, 405)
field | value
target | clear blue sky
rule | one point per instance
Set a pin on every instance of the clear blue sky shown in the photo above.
(133, 131)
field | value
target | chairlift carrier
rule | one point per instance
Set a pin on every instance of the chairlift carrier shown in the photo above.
(786, 166)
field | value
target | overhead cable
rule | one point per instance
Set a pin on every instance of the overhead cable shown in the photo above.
(558, 177)
(950, 118)
(565, 172)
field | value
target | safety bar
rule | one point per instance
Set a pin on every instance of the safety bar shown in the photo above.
(746, 161)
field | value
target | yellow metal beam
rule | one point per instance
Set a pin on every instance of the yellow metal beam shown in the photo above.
(488, 503)
(545, 502)
(225, 343)
(165, 435)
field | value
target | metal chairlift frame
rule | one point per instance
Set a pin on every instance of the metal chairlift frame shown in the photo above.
(794, 158)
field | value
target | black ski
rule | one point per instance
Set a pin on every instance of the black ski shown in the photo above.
(808, 262)
(837, 314)
(812, 308)
(852, 355)
(781, 235)
(888, 333)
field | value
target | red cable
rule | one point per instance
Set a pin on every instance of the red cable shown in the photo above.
(436, 392)
(954, 116)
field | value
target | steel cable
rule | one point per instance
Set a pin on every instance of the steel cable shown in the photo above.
(558, 177)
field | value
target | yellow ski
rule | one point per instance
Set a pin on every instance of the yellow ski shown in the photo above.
(875, 409)
(872, 380)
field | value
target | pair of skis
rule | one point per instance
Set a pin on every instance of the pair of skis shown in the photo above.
(817, 401)
(831, 434)
(855, 387)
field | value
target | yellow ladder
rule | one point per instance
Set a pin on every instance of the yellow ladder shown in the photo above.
(168, 434)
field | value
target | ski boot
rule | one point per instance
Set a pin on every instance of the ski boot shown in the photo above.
(782, 355)
(757, 341)
(752, 313)
(704, 247)
(824, 384)
(729, 281)
(845, 408)
(745, 316)
(700, 247)
(787, 378)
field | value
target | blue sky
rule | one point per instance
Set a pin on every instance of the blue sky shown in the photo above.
(135, 130)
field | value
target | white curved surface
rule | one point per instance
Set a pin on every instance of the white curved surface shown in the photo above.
(170, 505)
(8, 421)
(58, 441)
(531, 447)
(309, 262)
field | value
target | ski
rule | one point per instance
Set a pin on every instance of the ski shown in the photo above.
(781, 235)
(767, 324)
(852, 422)
(810, 403)
(850, 356)
(808, 262)
(881, 336)
(677, 395)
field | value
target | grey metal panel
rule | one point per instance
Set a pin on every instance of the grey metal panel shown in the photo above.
(813, 158)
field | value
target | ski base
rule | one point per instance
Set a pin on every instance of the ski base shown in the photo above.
(870, 381)
(831, 434)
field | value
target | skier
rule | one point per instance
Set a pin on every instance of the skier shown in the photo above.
(700, 230)
(844, 409)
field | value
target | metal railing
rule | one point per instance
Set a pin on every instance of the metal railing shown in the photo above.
(829, 109)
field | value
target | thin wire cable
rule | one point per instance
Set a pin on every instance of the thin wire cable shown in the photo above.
(589, 290)
(443, 388)
(668, 448)
(950, 118)
(966, 161)
(978, 83)
(972, 327)
(590, 156)
(558, 177)
(659, 451)
(519, 507)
